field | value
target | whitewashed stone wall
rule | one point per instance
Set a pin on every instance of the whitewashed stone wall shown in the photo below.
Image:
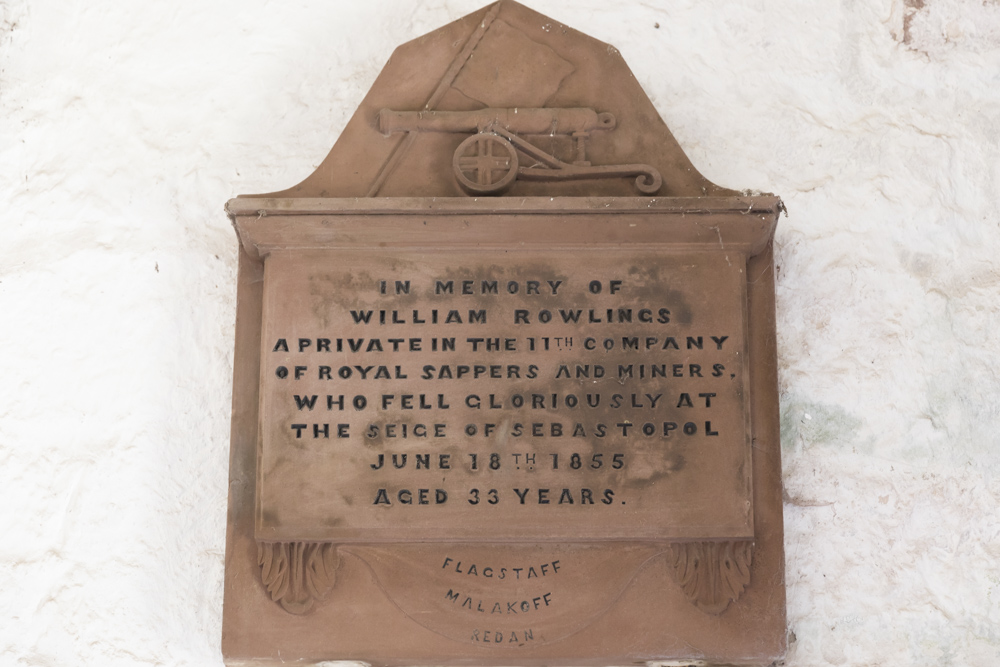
(125, 126)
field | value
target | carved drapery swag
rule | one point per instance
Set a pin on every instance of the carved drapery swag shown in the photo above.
(297, 574)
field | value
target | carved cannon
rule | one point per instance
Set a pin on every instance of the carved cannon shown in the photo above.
(488, 163)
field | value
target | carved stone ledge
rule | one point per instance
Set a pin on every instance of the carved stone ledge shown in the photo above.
(711, 574)
(296, 574)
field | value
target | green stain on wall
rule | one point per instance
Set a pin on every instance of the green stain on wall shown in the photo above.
(807, 424)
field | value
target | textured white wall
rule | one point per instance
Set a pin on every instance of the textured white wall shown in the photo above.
(124, 127)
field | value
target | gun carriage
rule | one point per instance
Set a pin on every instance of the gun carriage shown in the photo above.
(488, 161)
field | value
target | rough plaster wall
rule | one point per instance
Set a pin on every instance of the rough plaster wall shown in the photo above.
(125, 126)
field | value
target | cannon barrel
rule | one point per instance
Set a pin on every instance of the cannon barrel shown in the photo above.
(517, 120)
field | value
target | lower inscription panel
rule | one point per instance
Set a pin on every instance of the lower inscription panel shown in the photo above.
(594, 394)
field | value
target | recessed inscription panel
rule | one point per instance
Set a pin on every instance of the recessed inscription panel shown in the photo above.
(584, 394)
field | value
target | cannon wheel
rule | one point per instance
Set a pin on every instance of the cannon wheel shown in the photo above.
(485, 164)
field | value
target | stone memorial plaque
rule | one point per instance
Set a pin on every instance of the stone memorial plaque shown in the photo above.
(505, 379)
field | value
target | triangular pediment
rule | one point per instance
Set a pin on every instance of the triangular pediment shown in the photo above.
(505, 101)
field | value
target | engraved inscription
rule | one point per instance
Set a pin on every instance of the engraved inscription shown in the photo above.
(593, 397)
(459, 589)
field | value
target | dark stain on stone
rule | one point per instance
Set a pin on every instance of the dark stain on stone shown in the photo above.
(912, 8)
